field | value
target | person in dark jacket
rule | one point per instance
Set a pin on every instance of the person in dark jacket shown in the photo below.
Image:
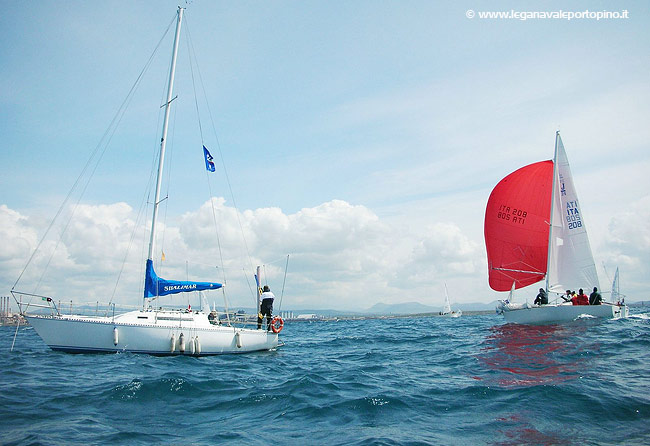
(266, 307)
(542, 297)
(595, 298)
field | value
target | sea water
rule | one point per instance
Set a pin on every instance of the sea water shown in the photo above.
(394, 381)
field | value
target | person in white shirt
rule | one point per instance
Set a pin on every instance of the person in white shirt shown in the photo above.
(266, 307)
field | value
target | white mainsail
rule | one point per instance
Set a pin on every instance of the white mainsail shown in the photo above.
(447, 308)
(616, 292)
(570, 264)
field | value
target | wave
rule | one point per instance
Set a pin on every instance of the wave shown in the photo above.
(402, 381)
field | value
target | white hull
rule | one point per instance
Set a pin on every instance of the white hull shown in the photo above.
(452, 314)
(562, 313)
(150, 332)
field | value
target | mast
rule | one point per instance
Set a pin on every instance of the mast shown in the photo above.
(163, 139)
(550, 223)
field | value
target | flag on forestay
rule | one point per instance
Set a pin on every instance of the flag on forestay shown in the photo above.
(209, 165)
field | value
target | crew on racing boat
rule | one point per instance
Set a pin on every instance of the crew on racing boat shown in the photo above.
(580, 299)
(595, 298)
(542, 297)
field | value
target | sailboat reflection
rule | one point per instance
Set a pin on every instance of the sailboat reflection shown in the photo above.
(528, 355)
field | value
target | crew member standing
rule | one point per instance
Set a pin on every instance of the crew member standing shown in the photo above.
(266, 307)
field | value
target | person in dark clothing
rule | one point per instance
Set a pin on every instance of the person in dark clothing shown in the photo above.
(266, 307)
(542, 297)
(595, 298)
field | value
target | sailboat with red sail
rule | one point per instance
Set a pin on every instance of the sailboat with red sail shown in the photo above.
(535, 231)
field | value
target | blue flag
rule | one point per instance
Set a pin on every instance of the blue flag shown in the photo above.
(209, 165)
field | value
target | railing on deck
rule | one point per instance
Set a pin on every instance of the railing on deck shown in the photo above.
(39, 304)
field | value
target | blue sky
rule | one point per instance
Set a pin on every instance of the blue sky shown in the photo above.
(362, 138)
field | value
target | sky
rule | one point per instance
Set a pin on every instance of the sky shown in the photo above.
(360, 138)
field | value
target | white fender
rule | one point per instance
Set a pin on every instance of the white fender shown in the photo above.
(197, 348)
(192, 346)
(181, 343)
(173, 346)
(116, 336)
(238, 340)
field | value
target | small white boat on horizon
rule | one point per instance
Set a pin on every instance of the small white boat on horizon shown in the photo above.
(446, 310)
(534, 231)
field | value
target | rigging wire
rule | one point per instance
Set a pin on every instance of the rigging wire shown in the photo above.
(223, 163)
(97, 153)
(142, 211)
(284, 281)
(191, 52)
(143, 207)
(207, 174)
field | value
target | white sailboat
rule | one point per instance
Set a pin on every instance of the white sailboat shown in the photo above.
(152, 331)
(616, 296)
(446, 310)
(523, 248)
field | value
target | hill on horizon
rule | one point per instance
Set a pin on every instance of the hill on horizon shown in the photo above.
(416, 307)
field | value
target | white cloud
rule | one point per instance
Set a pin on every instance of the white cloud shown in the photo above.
(18, 238)
(341, 255)
(627, 246)
(414, 135)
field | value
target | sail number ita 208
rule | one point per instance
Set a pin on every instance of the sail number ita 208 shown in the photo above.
(573, 215)
(515, 215)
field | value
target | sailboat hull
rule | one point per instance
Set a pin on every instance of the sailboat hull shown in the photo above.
(563, 313)
(156, 335)
(452, 314)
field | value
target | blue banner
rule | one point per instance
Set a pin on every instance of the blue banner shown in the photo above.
(155, 286)
(209, 165)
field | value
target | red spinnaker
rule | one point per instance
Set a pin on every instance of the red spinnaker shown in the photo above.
(517, 221)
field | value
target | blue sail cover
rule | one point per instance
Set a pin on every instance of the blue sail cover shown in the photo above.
(155, 286)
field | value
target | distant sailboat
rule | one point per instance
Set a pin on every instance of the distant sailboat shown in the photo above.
(616, 296)
(149, 330)
(534, 230)
(447, 311)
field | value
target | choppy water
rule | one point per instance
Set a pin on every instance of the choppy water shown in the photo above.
(411, 381)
